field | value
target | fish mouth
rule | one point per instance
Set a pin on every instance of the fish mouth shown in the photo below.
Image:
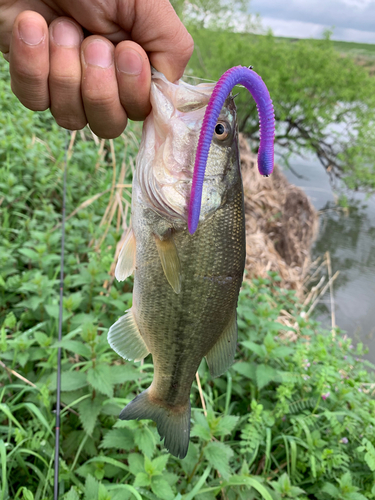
(165, 163)
(185, 96)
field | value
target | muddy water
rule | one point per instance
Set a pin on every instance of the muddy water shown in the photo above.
(349, 236)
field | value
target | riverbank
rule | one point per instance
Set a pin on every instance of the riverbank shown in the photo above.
(347, 229)
(281, 224)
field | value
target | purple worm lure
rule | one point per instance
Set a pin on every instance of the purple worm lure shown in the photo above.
(257, 88)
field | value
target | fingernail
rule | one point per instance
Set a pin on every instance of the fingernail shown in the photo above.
(66, 34)
(129, 61)
(98, 53)
(31, 34)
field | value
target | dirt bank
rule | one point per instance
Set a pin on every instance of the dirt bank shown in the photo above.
(281, 224)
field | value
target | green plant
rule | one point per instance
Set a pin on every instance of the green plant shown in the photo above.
(290, 419)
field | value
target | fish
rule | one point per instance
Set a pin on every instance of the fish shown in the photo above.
(186, 286)
(187, 278)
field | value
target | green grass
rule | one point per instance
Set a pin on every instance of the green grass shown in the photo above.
(355, 49)
(291, 418)
(362, 53)
(348, 48)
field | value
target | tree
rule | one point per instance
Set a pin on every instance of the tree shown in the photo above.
(232, 15)
(323, 101)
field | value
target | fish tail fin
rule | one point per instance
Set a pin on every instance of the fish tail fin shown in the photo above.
(174, 426)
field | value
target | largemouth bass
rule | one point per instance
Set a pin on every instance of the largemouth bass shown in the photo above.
(185, 286)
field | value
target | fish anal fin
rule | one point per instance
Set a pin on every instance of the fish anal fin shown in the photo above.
(126, 260)
(221, 356)
(170, 261)
(125, 338)
(173, 426)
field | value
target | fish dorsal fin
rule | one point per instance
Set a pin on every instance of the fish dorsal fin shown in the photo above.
(125, 338)
(170, 262)
(221, 356)
(126, 260)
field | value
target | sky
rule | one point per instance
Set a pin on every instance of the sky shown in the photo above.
(351, 20)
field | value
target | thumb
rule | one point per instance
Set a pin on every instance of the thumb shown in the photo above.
(158, 29)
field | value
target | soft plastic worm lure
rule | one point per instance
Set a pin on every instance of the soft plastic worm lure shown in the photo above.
(257, 88)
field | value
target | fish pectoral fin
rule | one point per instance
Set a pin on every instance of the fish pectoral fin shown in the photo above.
(173, 424)
(125, 338)
(126, 260)
(170, 262)
(221, 356)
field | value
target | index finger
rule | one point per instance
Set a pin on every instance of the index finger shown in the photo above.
(157, 28)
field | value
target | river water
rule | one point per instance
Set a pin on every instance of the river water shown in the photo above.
(349, 236)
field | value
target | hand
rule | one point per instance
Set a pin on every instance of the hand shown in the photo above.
(102, 79)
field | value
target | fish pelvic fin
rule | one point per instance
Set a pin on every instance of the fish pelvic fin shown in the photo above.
(125, 338)
(126, 260)
(170, 262)
(173, 425)
(221, 356)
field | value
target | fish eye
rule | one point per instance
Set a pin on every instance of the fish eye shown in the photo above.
(222, 130)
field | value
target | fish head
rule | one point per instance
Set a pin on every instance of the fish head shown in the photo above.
(165, 162)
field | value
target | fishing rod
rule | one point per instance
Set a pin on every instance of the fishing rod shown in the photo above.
(58, 394)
